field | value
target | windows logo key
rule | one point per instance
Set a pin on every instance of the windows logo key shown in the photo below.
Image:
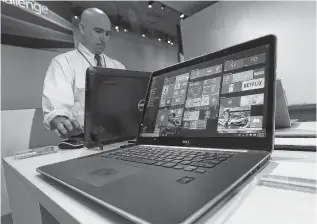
(185, 180)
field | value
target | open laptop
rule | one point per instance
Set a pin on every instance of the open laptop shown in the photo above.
(114, 101)
(282, 118)
(207, 126)
(285, 127)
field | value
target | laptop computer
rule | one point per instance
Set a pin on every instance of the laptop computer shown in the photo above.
(282, 118)
(207, 126)
(285, 127)
(114, 101)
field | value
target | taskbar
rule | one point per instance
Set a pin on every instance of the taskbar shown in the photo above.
(242, 133)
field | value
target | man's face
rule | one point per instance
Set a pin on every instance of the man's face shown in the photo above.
(97, 33)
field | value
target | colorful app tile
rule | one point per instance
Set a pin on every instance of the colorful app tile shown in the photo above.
(169, 81)
(216, 80)
(168, 91)
(182, 92)
(209, 71)
(232, 87)
(256, 122)
(193, 125)
(231, 65)
(253, 84)
(191, 115)
(256, 99)
(178, 100)
(230, 102)
(189, 103)
(233, 119)
(256, 59)
(213, 89)
(174, 122)
(242, 76)
(162, 118)
(176, 93)
(227, 79)
(182, 78)
(201, 124)
(186, 124)
(179, 112)
(177, 86)
(183, 85)
(258, 73)
(217, 69)
(205, 100)
(194, 90)
(197, 102)
(213, 81)
(168, 102)
(196, 74)
(214, 100)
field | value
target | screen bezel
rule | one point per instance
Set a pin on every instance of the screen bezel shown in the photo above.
(263, 143)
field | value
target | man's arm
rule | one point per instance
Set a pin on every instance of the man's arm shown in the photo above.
(58, 97)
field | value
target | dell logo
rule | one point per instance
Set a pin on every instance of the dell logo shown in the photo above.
(185, 142)
(141, 105)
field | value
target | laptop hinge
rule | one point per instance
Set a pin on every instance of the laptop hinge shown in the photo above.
(198, 148)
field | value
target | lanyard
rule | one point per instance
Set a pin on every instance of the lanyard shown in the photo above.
(88, 60)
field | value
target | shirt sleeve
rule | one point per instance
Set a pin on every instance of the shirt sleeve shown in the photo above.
(57, 96)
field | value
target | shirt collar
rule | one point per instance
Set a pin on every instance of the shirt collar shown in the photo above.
(86, 52)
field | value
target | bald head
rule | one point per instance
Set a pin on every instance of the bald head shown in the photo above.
(95, 28)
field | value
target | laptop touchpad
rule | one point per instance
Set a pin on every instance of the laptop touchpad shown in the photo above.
(104, 172)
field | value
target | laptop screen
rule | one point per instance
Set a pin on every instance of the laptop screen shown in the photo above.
(223, 97)
(114, 103)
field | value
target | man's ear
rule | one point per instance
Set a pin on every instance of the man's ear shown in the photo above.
(81, 28)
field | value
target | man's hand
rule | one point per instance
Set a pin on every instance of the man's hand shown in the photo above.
(64, 127)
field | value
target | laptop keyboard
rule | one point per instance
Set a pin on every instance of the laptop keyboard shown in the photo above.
(188, 160)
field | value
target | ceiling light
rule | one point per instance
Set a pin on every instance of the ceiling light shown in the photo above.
(163, 7)
(143, 35)
(169, 41)
(150, 4)
(76, 17)
(125, 30)
(182, 16)
(117, 27)
(172, 43)
(159, 39)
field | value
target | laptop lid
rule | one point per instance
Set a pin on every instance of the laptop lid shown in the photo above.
(114, 100)
(224, 99)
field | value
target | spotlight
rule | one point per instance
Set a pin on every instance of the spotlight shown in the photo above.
(143, 35)
(159, 39)
(172, 43)
(150, 4)
(125, 30)
(182, 16)
(116, 27)
(163, 7)
(169, 41)
(76, 17)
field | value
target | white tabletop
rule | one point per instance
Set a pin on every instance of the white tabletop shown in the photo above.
(260, 201)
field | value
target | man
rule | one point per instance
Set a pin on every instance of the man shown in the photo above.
(64, 85)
